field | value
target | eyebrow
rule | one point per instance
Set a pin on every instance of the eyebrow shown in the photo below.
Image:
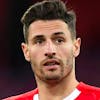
(58, 33)
(38, 36)
(41, 36)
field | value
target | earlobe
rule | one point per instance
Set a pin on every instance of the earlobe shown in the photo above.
(25, 51)
(77, 45)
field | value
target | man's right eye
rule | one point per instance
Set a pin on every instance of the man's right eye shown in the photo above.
(39, 41)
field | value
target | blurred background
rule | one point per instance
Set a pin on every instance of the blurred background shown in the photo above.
(16, 75)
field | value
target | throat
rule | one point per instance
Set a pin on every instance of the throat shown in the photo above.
(58, 92)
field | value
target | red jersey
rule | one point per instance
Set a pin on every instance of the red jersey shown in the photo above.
(82, 92)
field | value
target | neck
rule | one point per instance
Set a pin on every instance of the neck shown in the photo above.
(57, 90)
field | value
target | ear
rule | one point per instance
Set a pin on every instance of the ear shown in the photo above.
(25, 50)
(76, 49)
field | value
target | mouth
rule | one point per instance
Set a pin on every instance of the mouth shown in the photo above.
(51, 63)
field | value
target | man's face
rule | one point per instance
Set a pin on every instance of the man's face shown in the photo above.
(50, 49)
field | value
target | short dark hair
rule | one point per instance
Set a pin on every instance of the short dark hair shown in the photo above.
(49, 10)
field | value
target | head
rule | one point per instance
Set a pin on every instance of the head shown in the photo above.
(49, 10)
(50, 39)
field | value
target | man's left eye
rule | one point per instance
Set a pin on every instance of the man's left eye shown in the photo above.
(59, 40)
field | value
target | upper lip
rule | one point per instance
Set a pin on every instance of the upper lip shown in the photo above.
(51, 62)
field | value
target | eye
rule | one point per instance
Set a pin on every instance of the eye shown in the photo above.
(59, 40)
(39, 41)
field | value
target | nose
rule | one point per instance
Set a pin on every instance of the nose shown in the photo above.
(50, 55)
(50, 49)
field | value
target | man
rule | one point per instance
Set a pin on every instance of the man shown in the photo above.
(51, 47)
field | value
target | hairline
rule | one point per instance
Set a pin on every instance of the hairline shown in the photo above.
(27, 32)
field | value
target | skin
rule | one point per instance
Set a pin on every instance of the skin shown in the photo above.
(51, 52)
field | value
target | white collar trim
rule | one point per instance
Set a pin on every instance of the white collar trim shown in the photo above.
(36, 97)
(72, 96)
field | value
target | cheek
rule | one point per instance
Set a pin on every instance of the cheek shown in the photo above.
(65, 51)
(34, 58)
(35, 55)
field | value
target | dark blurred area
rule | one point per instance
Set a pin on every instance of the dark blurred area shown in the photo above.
(16, 75)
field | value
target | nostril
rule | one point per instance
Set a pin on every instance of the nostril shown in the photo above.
(54, 53)
(50, 54)
(46, 54)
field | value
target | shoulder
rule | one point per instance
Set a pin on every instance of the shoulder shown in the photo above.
(25, 96)
(85, 87)
(89, 90)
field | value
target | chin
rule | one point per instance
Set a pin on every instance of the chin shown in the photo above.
(52, 78)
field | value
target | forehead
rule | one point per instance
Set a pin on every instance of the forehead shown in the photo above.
(48, 27)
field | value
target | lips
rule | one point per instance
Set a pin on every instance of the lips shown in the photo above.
(51, 63)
